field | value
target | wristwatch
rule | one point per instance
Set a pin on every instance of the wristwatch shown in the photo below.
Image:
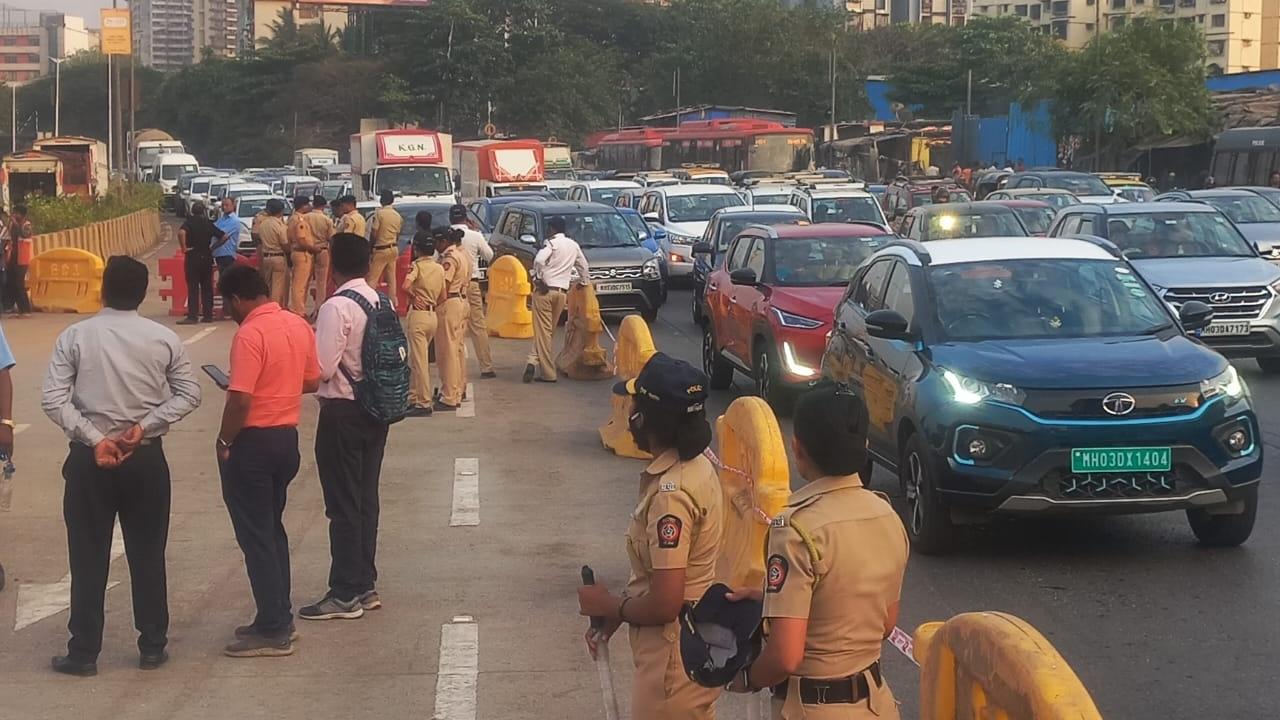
(9, 423)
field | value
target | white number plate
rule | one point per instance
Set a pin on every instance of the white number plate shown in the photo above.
(1232, 328)
(613, 287)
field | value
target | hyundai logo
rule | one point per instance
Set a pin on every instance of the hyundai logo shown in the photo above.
(1118, 403)
(1220, 297)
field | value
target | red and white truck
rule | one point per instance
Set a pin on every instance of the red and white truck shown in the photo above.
(489, 168)
(412, 163)
(84, 164)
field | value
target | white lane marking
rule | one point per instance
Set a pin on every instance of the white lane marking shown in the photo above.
(37, 601)
(459, 666)
(468, 407)
(21, 427)
(199, 336)
(466, 493)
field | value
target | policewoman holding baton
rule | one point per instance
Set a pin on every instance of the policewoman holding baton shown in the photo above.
(673, 540)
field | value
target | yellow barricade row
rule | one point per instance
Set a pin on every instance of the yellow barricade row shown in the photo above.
(66, 280)
(632, 351)
(129, 235)
(756, 481)
(508, 299)
(582, 357)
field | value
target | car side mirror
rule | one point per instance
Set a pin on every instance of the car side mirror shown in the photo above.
(651, 218)
(703, 248)
(1195, 315)
(888, 325)
(528, 239)
(743, 276)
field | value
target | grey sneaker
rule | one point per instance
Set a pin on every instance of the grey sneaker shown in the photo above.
(370, 600)
(331, 608)
(245, 631)
(258, 646)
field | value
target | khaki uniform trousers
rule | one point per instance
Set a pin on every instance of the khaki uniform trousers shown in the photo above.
(880, 706)
(300, 282)
(477, 326)
(321, 274)
(660, 690)
(547, 308)
(383, 263)
(276, 273)
(449, 350)
(422, 328)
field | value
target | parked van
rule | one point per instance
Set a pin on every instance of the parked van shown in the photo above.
(168, 168)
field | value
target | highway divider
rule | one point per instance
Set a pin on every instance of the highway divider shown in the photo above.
(131, 235)
(632, 350)
(582, 357)
(508, 313)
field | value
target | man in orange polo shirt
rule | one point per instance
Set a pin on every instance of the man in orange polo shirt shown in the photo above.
(273, 364)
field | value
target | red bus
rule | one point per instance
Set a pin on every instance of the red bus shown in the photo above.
(631, 149)
(739, 144)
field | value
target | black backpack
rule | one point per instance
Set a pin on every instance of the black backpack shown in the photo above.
(383, 392)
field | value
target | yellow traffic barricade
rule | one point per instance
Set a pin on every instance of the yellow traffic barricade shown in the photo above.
(632, 351)
(756, 481)
(66, 280)
(582, 357)
(508, 299)
(994, 665)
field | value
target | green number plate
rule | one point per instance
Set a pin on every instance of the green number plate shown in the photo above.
(1111, 460)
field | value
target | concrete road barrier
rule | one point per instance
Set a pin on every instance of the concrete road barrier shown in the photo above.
(131, 235)
(508, 299)
(66, 280)
(632, 351)
(582, 357)
(994, 665)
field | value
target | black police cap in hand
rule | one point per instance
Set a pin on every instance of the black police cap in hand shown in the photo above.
(719, 637)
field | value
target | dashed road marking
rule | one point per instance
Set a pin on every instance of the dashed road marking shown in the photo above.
(199, 336)
(466, 493)
(37, 601)
(458, 668)
(468, 407)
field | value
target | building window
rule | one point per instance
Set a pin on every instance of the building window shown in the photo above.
(1219, 20)
(1020, 10)
(1059, 29)
(1088, 2)
(1217, 47)
(308, 12)
(1061, 7)
(1088, 27)
(1117, 4)
(1035, 12)
(1116, 22)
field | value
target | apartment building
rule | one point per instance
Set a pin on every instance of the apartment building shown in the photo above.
(869, 14)
(164, 32)
(259, 17)
(28, 38)
(216, 28)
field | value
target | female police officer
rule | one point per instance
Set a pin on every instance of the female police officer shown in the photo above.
(673, 540)
(452, 318)
(836, 558)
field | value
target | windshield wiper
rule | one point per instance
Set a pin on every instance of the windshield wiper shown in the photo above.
(1156, 328)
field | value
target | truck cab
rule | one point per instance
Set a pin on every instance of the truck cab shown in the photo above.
(491, 168)
(410, 163)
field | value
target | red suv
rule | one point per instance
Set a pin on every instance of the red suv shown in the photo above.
(771, 298)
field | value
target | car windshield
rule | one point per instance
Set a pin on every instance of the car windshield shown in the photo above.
(560, 174)
(605, 195)
(1037, 219)
(1077, 183)
(1136, 194)
(734, 224)
(173, 172)
(1058, 200)
(251, 206)
(560, 192)
(409, 215)
(972, 223)
(954, 195)
(199, 186)
(846, 209)
(411, 180)
(819, 261)
(1038, 299)
(600, 230)
(1245, 210)
(331, 190)
(1176, 234)
(637, 225)
(759, 198)
(699, 208)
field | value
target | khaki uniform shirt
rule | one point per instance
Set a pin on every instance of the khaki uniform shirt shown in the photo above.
(457, 270)
(846, 583)
(677, 524)
(352, 222)
(321, 228)
(426, 281)
(301, 238)
(386, 226)
(272, 235)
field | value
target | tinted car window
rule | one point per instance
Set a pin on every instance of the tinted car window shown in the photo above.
(1246, 210)
(822, 260)
(898, 295)
(738, 255)
(1037, 219)
(755, 256)
(511, 224)
(730, 227)
(699, 208)
(1077, 184)
(528, 226)
(971, 223)
(871, 286)
(845, 209)
(1177, 234)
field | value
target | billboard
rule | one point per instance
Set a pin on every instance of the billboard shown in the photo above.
(117, 33)
(368, 3)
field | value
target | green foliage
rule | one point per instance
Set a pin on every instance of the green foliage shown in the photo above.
(49, 214)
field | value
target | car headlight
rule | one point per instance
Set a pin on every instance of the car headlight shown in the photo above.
(650, 269)
(677, 239)
(792, 320)
(967, 391)
(793, 363)
(1227, 383)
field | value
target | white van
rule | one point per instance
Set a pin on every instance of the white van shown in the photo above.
(168, 168)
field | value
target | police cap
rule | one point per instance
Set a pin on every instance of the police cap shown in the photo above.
(668, 381)
(719, 637)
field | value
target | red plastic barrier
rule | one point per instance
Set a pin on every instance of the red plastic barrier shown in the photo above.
(173, 270)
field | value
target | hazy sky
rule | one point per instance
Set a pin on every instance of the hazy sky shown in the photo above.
(88, 9)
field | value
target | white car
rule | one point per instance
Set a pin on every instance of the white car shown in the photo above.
(560, 188)
(247, 207)
(198, 190)
(683, 211)
(838, 203)
(768, 193)
(601, 191)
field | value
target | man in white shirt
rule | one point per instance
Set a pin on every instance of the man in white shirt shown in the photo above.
(478, 248)
(349, 443)
(553, 268)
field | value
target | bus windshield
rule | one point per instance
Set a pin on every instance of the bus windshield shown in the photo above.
(781, 153)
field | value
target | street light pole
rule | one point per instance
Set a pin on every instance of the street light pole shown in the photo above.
(57, 95)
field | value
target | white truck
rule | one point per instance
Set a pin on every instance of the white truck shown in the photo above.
(146, 145)
(411, 163)
(489, 168)
(313, 161)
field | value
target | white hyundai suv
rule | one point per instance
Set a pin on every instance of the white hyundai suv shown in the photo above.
(683, 211)
(838, 203)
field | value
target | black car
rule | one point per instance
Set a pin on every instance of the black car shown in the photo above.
(626, 276)
(486, 211)
(723, 227)
(960, 220)
(1086, 186)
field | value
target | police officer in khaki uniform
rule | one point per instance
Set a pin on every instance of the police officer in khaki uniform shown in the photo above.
(450, 353)
(273, 242)
(302, 250)
(673, 541)
(424, 284)
(322, 228)
(385, 234)
(349, 220)
(836, 558)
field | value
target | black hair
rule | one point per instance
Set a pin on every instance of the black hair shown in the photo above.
(556, 224)
(124, 283)
(300, 202)
(423, 220)
(242, 281)
(451, 235)
(386, 197)
(349, 254)
(319, 201)
(275, 206)
(197, 209)
(831, 425)
(424, 244)
(673, 427)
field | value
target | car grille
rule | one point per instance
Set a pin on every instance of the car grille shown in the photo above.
(617, 273)
(1102, 486)
(1239, 303)
(1087, 404)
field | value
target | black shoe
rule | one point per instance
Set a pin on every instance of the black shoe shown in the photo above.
(245, 631)
(542, 379)
(259, 646)
(444, 407)
(488, 375)
(152, 660)
(420, 411)
(188, 321)
(79, 668)
(206, 320)
(529, 372)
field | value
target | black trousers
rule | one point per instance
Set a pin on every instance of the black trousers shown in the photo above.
(137, 491)
(199, 269)
(255, 484)
(224, 262)
(15, 288)
(349, 447)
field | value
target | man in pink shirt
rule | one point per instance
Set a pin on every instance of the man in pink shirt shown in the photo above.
(349, 443)
(273, 364)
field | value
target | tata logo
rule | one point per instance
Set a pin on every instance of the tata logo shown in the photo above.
(1220, 297)
(1118, 403)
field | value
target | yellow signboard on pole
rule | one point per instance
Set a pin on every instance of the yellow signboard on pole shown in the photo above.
(117, 33)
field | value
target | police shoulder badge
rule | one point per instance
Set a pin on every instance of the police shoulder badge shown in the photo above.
(669, 527)
(667, 486)
(776, 573)
(779, 521)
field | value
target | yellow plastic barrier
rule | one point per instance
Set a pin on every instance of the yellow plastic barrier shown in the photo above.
(66, 280)
(756, 482)
(994, 665)
(582, 357)
(633, 350)
(508, 299)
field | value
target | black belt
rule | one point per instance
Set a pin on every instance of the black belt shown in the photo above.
(267, 254)
(383, 247)
(844, 690)
(455, 296)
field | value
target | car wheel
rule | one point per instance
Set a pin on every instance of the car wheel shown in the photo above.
(1269, 364)
(765, 372)
(1225, 530)
(718, 370)
(926, 516)
(696, 306)
(650, 315)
